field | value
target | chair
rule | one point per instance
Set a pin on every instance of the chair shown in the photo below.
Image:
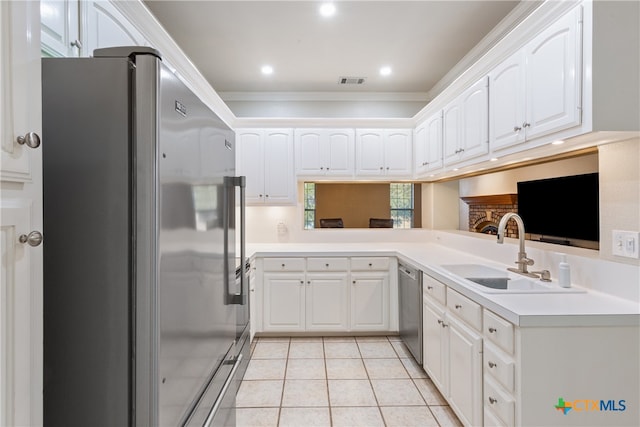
(331, 223)
(380, 223)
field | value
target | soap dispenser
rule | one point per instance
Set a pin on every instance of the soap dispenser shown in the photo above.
(564, 272)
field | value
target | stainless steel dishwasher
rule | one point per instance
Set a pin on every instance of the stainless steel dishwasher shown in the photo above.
(410, 296)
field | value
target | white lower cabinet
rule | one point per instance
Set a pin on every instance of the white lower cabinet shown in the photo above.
(326, 294)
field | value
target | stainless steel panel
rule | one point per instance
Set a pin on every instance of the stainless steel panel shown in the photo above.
(197, 325)
(410, 297)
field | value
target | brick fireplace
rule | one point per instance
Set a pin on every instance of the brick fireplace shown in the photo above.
(485, 213)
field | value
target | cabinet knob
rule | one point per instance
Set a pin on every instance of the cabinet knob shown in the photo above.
(387, 167)
(429, 288)
(266, 195)
(526, 125)
(327, 265)
(492, 400)
(259, 195)
(370, 265)
(492, 330)
(354, 282)
(458, 306)
(282, 265)
(381, 168)
(308, 282)
(491, 364)
(321, 167)
(439, 322)
(32, 239)
(517, 128)
(31, 140)
(302, 282)
(327, 168)
(76, 43)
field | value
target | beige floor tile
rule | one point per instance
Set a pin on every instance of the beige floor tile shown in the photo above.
(385, 369)
(351, 393)
(265, 369)
(307, 417)
(271, 350)
(396, 393)
(258, 394)
(380, 338)
(307, 393)
(357, 417)
(346, 369)
(339, 339)
(306, 350)
(379, 350)
(414, 370)
(408, 416)
(401, 350)
(429, 392)
(445, 416)
(306, 339)
(341, 350)
(256, 417)
(306, 369)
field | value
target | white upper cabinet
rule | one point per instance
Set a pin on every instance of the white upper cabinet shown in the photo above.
(554, 77)
(381, 152)
(321, 152)
(265, 157)
(466, 121)
(105, 26)
(60, 27)
(428, 144)
(536, 91)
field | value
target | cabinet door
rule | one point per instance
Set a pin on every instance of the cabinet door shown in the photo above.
(283, 302)
(369, 152)
(420, 148)
(250, 163)
(340, 149)
(60, 26)
(506, 102)
(475, 121)
(327, 302)
(370, 301)
(451, 134)
(310, 152)
(279, 176)
(434, 142)
(397, 152)
(554, 77)
(465, 372)
(105, 26)
(433, 342)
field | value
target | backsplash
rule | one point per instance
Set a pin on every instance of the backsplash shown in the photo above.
(485, 213)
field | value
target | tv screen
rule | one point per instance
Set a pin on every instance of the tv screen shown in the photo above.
(562, 208)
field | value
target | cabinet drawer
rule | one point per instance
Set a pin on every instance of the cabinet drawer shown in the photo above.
(327, 264)
(464, 308)
(434, 288)
(491, 419)
(370, 263)
(499, 402)
(284, 264)
(499, 366)
(498, 331)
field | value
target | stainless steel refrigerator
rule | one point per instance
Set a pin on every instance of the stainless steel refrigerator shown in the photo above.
(145, 323)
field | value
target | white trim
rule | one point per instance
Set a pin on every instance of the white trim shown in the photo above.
(325, 96)
(279, 122)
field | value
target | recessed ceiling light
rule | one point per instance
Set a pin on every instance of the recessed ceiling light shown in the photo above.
(266, 69)
(385, 71)
(327, 9)
(456, 169)
(494, 159)
(558, 142)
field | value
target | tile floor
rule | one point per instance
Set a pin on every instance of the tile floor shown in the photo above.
(338, 381)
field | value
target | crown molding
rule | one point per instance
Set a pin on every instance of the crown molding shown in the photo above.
(288, 122)
(325, 96)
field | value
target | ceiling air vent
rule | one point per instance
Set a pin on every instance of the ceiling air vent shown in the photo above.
(351, 80)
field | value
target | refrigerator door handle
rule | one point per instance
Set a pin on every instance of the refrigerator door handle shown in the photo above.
(225, 387)
(230, 184)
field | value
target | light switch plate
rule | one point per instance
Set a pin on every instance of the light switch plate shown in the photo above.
(625, 243)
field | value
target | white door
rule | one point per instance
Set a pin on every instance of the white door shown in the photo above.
(475, 120)
(310, 152)
(283, 302)
(60, 26)
(340, 149)
(250, 163)
(434, 142)
(105, 26)
(465, 372)
(397, 152)
(433, 341)
(21, 214)
(279, 175)
(451, 134)
(370, 301)
(369, 152)
(507, 102)
(327, 302)
(554, 77)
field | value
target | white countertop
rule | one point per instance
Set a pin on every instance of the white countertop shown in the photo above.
(589, 308)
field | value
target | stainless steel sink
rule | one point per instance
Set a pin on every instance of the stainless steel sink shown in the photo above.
(492, 280)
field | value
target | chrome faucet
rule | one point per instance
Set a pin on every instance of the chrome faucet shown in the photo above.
(523, 262)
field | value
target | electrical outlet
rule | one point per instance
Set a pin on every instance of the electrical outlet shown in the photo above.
(625, 243)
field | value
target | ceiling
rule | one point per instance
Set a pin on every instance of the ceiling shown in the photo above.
(229, 41)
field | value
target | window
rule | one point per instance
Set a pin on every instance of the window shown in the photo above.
(309, 205)
(401, 201)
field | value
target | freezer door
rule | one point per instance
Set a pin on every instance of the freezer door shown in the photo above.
(196, 271)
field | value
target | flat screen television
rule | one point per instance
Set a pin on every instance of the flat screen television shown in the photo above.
(561, 209)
